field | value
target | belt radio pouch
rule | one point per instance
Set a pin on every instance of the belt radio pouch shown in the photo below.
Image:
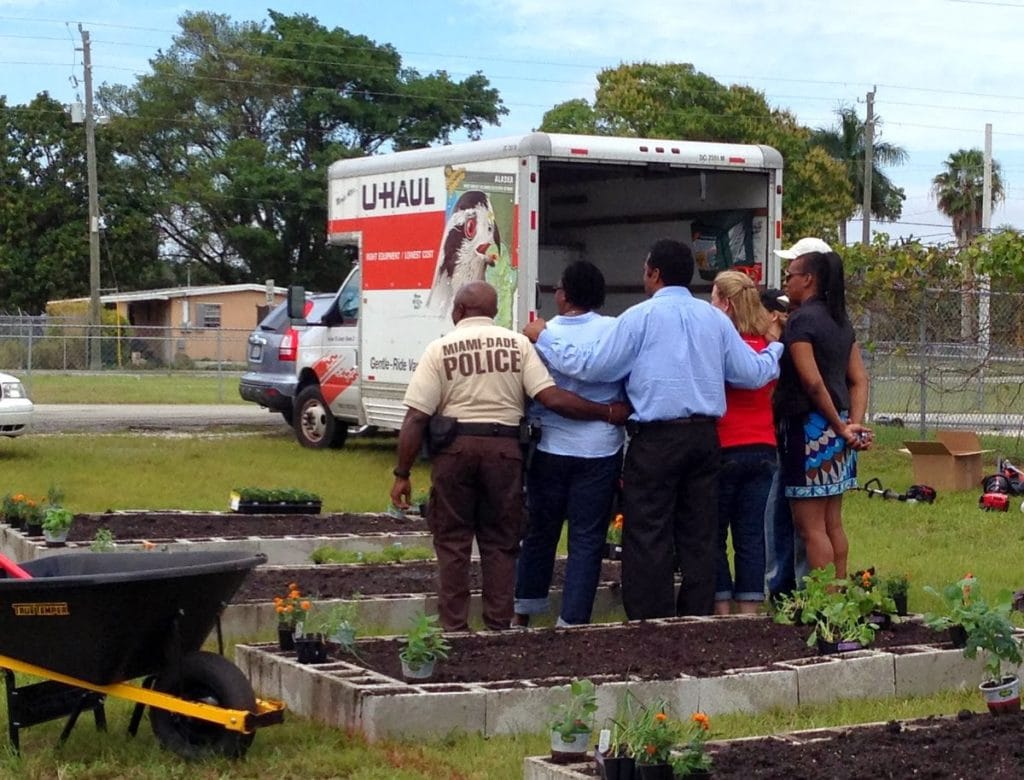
(529, 436)
(441, 431)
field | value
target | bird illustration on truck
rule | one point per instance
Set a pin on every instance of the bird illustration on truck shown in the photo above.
(470, 244)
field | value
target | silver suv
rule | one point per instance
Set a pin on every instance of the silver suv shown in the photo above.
(272, 378)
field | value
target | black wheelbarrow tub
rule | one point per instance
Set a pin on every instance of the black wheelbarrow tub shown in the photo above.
(110, 617)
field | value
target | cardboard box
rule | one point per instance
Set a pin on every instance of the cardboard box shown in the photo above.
(952, 462)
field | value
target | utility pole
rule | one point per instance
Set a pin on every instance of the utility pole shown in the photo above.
(869, 164)
(94, 209)
(984, 290)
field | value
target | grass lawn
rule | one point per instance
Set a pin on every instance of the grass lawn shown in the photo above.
(934, 544)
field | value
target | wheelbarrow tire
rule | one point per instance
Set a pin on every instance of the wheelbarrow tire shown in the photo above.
(212, 679)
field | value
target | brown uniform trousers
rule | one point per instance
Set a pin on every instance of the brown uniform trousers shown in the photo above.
(477, 491)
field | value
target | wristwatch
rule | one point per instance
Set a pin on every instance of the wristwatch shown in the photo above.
(401, 473)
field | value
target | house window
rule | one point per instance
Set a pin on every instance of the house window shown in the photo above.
(208, 315)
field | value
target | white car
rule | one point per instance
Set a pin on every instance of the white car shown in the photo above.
(15, 407)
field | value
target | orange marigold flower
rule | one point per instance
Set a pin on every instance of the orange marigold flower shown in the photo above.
(702, 719)
(660, 717)
(278, 601)
(148, 545)
(651, 750)
(280, 609)
(305, 606)
(19, 497)
(293, 586)
(30, 502)
(294, 594)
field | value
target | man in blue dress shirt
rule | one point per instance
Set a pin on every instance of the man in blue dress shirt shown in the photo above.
(676, 353)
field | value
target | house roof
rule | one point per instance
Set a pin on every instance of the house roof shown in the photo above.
(176, 292)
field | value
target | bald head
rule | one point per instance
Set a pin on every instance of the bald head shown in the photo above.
(475, 299)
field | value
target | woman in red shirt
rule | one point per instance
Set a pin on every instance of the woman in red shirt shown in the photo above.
(746, 433)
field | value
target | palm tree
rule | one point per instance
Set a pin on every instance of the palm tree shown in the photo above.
(846, 143)
(959, 191)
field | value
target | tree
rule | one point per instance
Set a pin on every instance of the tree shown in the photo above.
(959, 191)
(44, 239)
(678, 101)
(236, 126)
(847, 144)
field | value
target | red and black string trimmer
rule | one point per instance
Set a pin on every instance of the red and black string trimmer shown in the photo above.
(924, 493)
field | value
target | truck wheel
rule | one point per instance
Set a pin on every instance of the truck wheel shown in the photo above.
(315, 426)
(211, 679)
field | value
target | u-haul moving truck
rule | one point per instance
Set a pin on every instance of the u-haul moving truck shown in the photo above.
(513, 211)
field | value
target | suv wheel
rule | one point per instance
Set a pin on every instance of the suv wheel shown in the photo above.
(315, 426)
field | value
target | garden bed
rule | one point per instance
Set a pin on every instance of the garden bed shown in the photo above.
(506, 682)
(646, 651)
(161, 526)
(970, 746)
(343, 581)
(386, 596)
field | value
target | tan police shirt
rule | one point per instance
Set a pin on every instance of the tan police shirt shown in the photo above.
(479, 372)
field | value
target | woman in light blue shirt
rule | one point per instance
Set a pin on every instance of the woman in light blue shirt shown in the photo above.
(575, 471)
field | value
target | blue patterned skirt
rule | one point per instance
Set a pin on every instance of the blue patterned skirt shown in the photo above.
(814, 460)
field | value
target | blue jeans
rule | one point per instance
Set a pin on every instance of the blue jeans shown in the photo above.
(743, 487)
(582, 490)
(786, 555)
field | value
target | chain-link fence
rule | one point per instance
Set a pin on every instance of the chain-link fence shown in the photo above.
(937, 357)
(943, 358)
(42, 343)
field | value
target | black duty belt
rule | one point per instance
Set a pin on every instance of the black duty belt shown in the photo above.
(487, 429)
(635, 426)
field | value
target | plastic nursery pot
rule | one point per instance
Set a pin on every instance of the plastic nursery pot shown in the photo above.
(900, 600)
(613, 552)
(34, 529)
(958, 636)
(310, 650)
(573, 748)
(614, 767)
(286, 637)
(1002, 698)
(827, 648)
(56, 540)
(422, 672)
(884, 622)
(653, 772)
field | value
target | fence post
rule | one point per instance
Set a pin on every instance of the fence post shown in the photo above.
(922, 333)
(28, 357)
(220, 367)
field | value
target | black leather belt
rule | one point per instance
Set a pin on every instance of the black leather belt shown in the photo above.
(635, 426)
(487, 429)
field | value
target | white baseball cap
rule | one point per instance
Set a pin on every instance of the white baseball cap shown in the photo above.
(803, 247)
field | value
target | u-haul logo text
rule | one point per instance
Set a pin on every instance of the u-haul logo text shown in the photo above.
(41, 609)
(397, 194)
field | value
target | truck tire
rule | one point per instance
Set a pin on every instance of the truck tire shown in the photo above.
(211, 679)
(315, 426)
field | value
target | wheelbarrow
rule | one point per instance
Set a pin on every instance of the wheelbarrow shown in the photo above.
(89, 623)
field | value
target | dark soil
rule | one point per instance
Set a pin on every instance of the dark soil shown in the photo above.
(971, 746)
(634, 651)
(167, 526)
(342, 581)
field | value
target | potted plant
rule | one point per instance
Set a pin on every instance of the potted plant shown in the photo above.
(986, 626)
(962, 604)
(838, 611)
(254, 500)
(56, 523)
(336, 624)
(613, 542)
(291, 611)
(691, 758)
(651, 734)
(572, 722)
(421, 647)
(897, 587)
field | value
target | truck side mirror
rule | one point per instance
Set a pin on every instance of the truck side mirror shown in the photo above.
(297, 305)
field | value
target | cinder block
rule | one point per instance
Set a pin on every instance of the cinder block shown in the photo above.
(856, 675)
(517, 710)
(930, 670)
(682, 695)
(749, 691)
(536, 768)
(417, 715)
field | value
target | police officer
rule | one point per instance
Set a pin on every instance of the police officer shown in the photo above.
(479, 374)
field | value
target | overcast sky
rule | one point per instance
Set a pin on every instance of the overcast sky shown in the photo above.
(942, 68)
